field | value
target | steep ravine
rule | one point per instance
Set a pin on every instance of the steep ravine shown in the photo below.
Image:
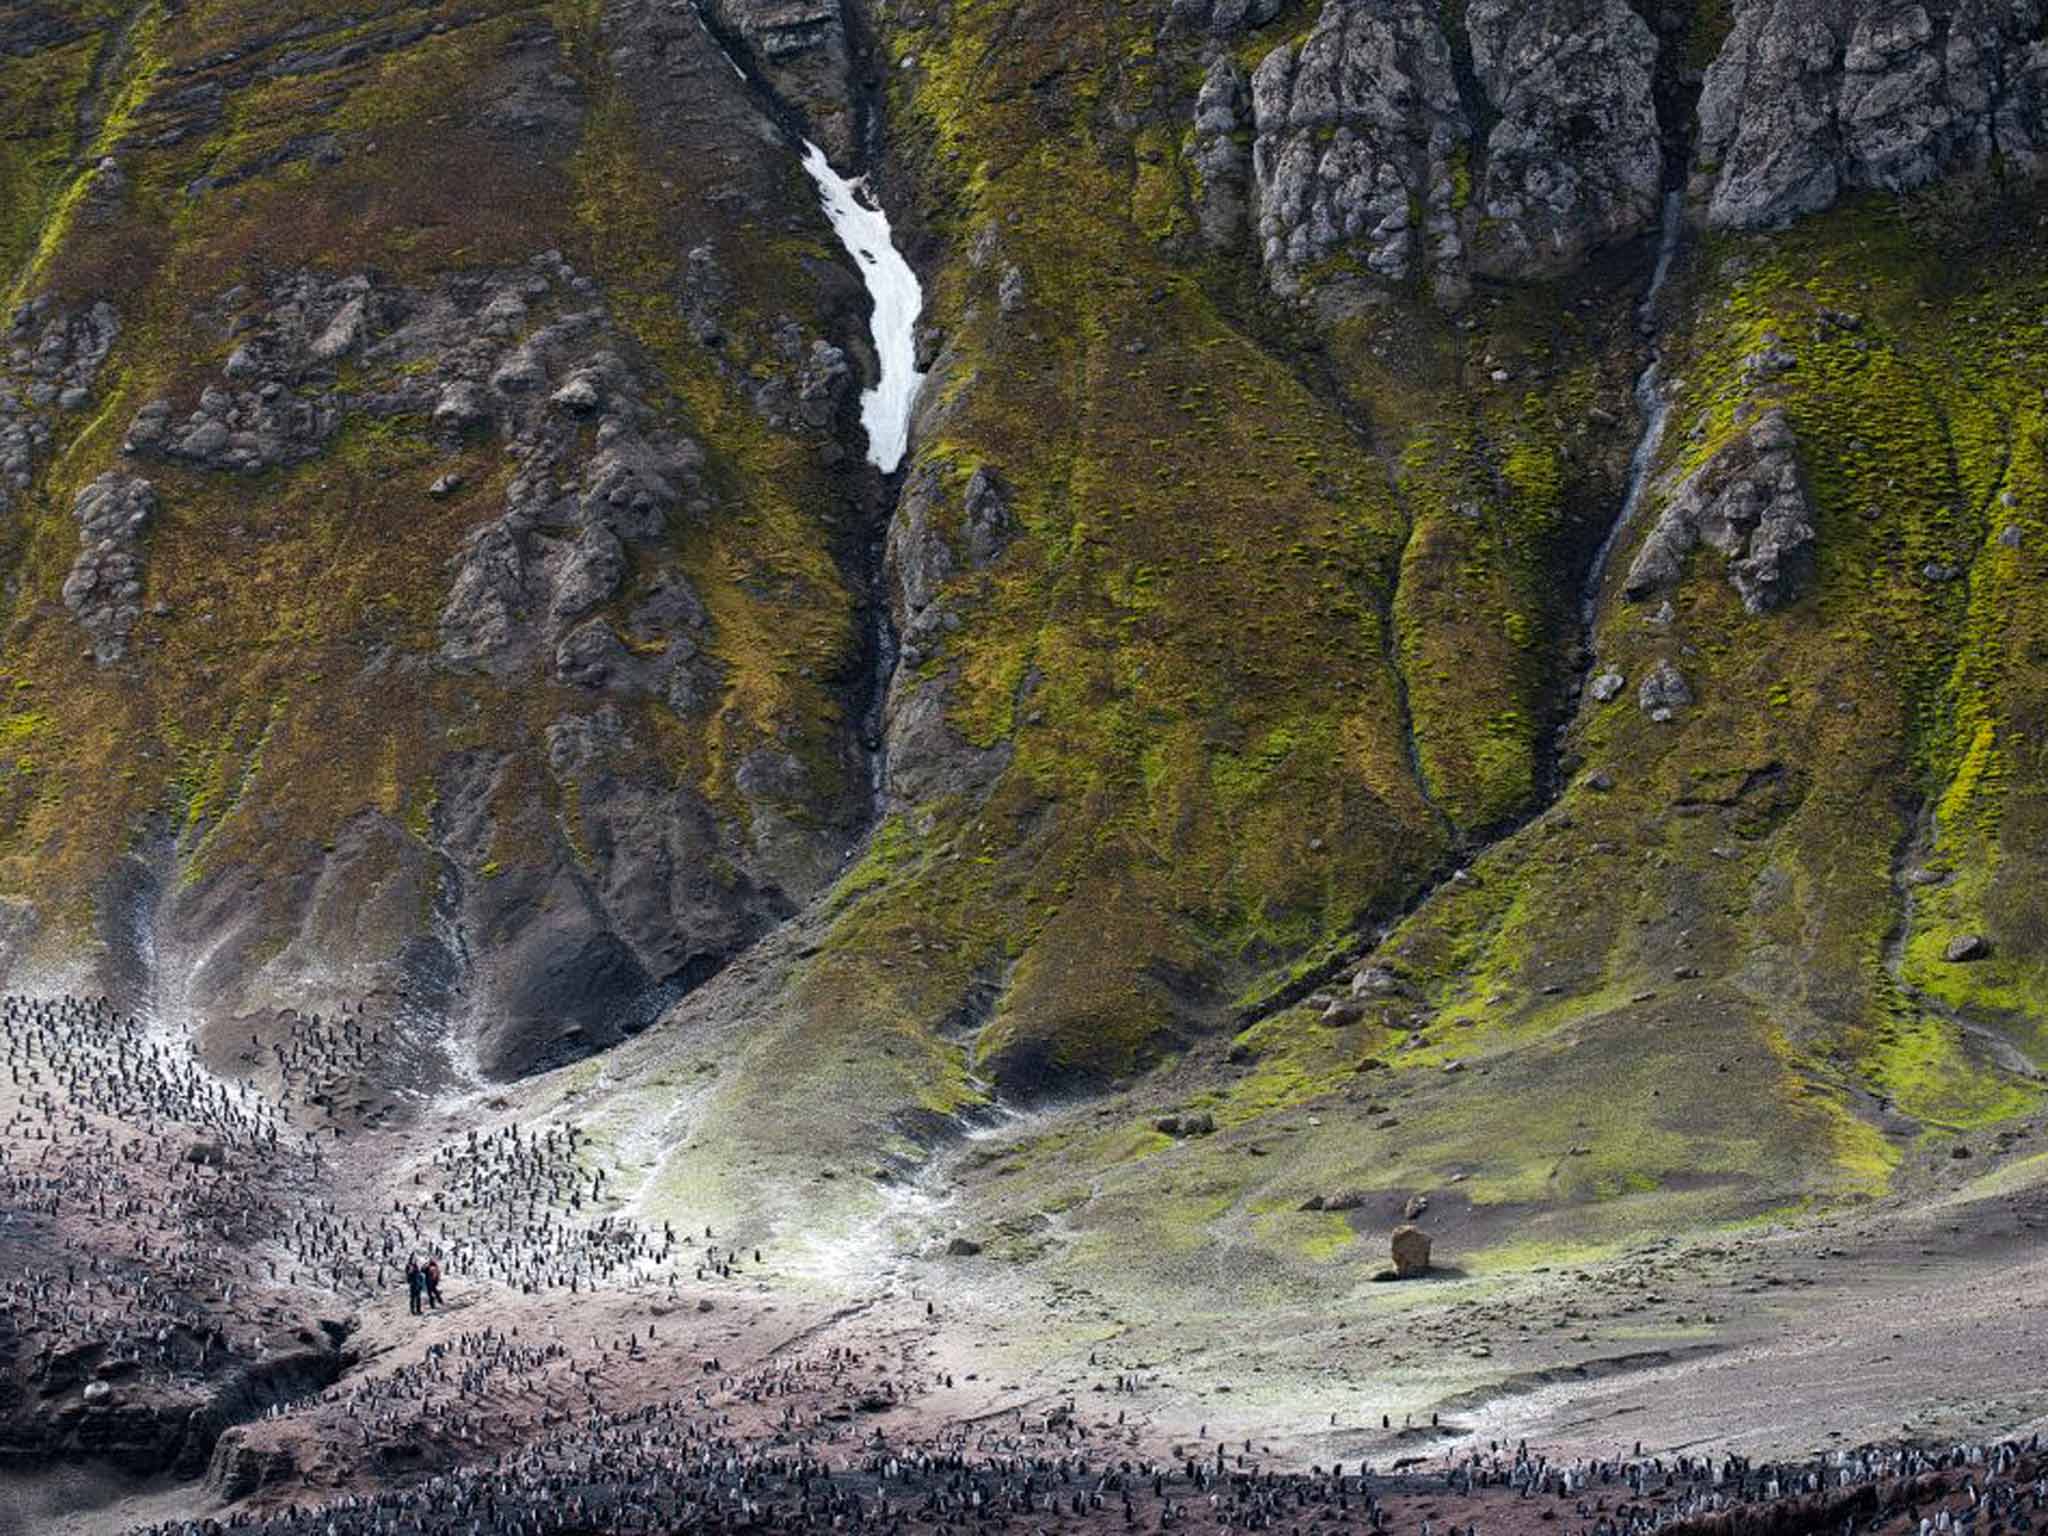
(1654, 407)
(886, 410)
(887, 406)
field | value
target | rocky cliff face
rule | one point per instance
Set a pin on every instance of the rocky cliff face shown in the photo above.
(1529, 137)
(1806, 102)
(463, 513)
(1369, 143)
(442, 562)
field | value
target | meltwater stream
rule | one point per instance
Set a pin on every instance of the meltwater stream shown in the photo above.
(863, 228)
(1653, 405)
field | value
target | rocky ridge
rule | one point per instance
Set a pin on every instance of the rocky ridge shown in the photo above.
(1368, 145)
(1749, 503)
(1808, 100)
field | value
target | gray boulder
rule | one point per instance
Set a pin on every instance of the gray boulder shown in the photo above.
(1664, 692)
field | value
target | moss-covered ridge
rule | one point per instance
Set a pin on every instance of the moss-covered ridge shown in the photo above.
(1733, 910)
(1275, 640)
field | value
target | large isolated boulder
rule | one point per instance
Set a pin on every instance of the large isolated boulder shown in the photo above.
(1411, 1251)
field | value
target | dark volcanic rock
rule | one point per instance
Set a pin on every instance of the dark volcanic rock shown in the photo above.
(803, 50)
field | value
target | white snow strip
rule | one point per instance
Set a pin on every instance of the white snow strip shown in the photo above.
(863, 229)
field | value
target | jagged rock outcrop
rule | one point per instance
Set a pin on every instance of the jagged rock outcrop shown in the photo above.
(58, 354)
(53, 358)
(1749, 502)
(1664, 692)
(238, 1468)
(1366, 147)
(1222, 161)
(104, 589)
(573, 585)
(594, 484)
(23, 436)
(937, 536)
(1574, 161)
(1356, 130)
(1809, 99)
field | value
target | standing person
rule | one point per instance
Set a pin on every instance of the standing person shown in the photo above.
(415, 1282)
(433, 1280)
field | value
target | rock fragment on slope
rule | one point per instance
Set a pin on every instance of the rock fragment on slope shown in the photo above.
(1664, 692)
(1749, 502)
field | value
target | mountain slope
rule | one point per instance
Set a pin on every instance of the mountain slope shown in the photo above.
(444, 571)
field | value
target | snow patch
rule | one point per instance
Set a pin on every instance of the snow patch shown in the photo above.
(863, 228)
